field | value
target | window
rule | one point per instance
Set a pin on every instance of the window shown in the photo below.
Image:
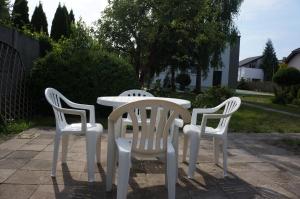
(217, 78)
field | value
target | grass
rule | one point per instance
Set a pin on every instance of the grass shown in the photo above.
(246, 119)
(254, 120)
(12, 128)
(266, 101)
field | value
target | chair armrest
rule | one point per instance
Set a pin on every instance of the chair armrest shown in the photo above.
(211, 116)
(197, 111)
(91, 108)
(81, 113)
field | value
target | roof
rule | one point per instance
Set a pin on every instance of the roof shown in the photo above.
(293, 53)
(248, 60)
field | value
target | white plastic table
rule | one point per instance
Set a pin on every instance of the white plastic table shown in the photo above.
(115, 102)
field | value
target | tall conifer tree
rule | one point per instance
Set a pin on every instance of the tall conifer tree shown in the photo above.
(269, 62)
(60, 23)
(4, 10)
(72, 17)
(39, 20)
(20, 15)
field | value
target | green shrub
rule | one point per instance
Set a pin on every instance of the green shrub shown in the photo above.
(184, 80)
(212, 97)
(287, 77)
(80, 70)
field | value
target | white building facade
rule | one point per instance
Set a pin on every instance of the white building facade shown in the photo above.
(250, 70)
(222, 76)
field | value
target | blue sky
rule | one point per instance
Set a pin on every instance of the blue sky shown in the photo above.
(258, 20)
(278, 20)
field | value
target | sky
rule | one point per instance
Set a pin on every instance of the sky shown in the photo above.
(258, 21)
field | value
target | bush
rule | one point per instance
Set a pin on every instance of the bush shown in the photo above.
(79, 69)
(184, 80)
(287, 77)
(212, 97)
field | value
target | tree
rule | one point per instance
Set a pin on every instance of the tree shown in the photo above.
(20, 15)
(60, 24)
(39, 20)
(154, 34)
(4, 10)
(71, 17)
(269, 62)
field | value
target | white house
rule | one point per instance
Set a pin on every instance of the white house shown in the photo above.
(249, 69)
(293, 60)
(223, 76)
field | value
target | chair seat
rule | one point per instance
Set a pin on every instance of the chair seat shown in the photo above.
(76, 128)
(197, 128)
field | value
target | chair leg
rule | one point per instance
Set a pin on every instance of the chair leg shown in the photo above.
(64, 148)
(55, 154)
(171, 175)
(111, 163)
(98, 150)
(225, 157)
(123, 175)
(185, 146)
(91, 142)
(194, 150)
(216, 150)
(123, 130)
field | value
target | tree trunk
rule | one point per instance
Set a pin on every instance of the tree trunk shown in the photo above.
(173, 79)
(198, 79)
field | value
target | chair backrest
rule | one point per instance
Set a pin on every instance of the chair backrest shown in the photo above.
(231, 105)
(136, 93)
(151, 137)
(54, 98)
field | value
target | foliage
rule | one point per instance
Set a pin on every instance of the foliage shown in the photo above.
(184, 80)
(71, 17)
(78, 64)
(20, 15)
(243, 85)
(287, 77)
(39, 20)
(212, 97)
(269, 61)
(60, 24)
(282, 65)
(154, 34)
(15, 127)
(4, 11)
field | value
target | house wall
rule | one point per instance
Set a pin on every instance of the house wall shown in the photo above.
(295, 62)
(229, 71)
(250, 73)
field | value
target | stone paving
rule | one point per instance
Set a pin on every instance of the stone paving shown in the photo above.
(257, 169)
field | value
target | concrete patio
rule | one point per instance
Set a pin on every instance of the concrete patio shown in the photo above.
(258, 169)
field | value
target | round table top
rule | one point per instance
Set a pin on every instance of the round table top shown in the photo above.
(116, 101)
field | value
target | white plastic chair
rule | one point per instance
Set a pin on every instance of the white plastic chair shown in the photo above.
(153, 139)
(92, 130)
(133, 93)
(193, 132)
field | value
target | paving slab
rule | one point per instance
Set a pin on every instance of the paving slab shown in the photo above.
(256, 169)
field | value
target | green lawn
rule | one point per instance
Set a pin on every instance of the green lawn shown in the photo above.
(267, 102)
(246, 119)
